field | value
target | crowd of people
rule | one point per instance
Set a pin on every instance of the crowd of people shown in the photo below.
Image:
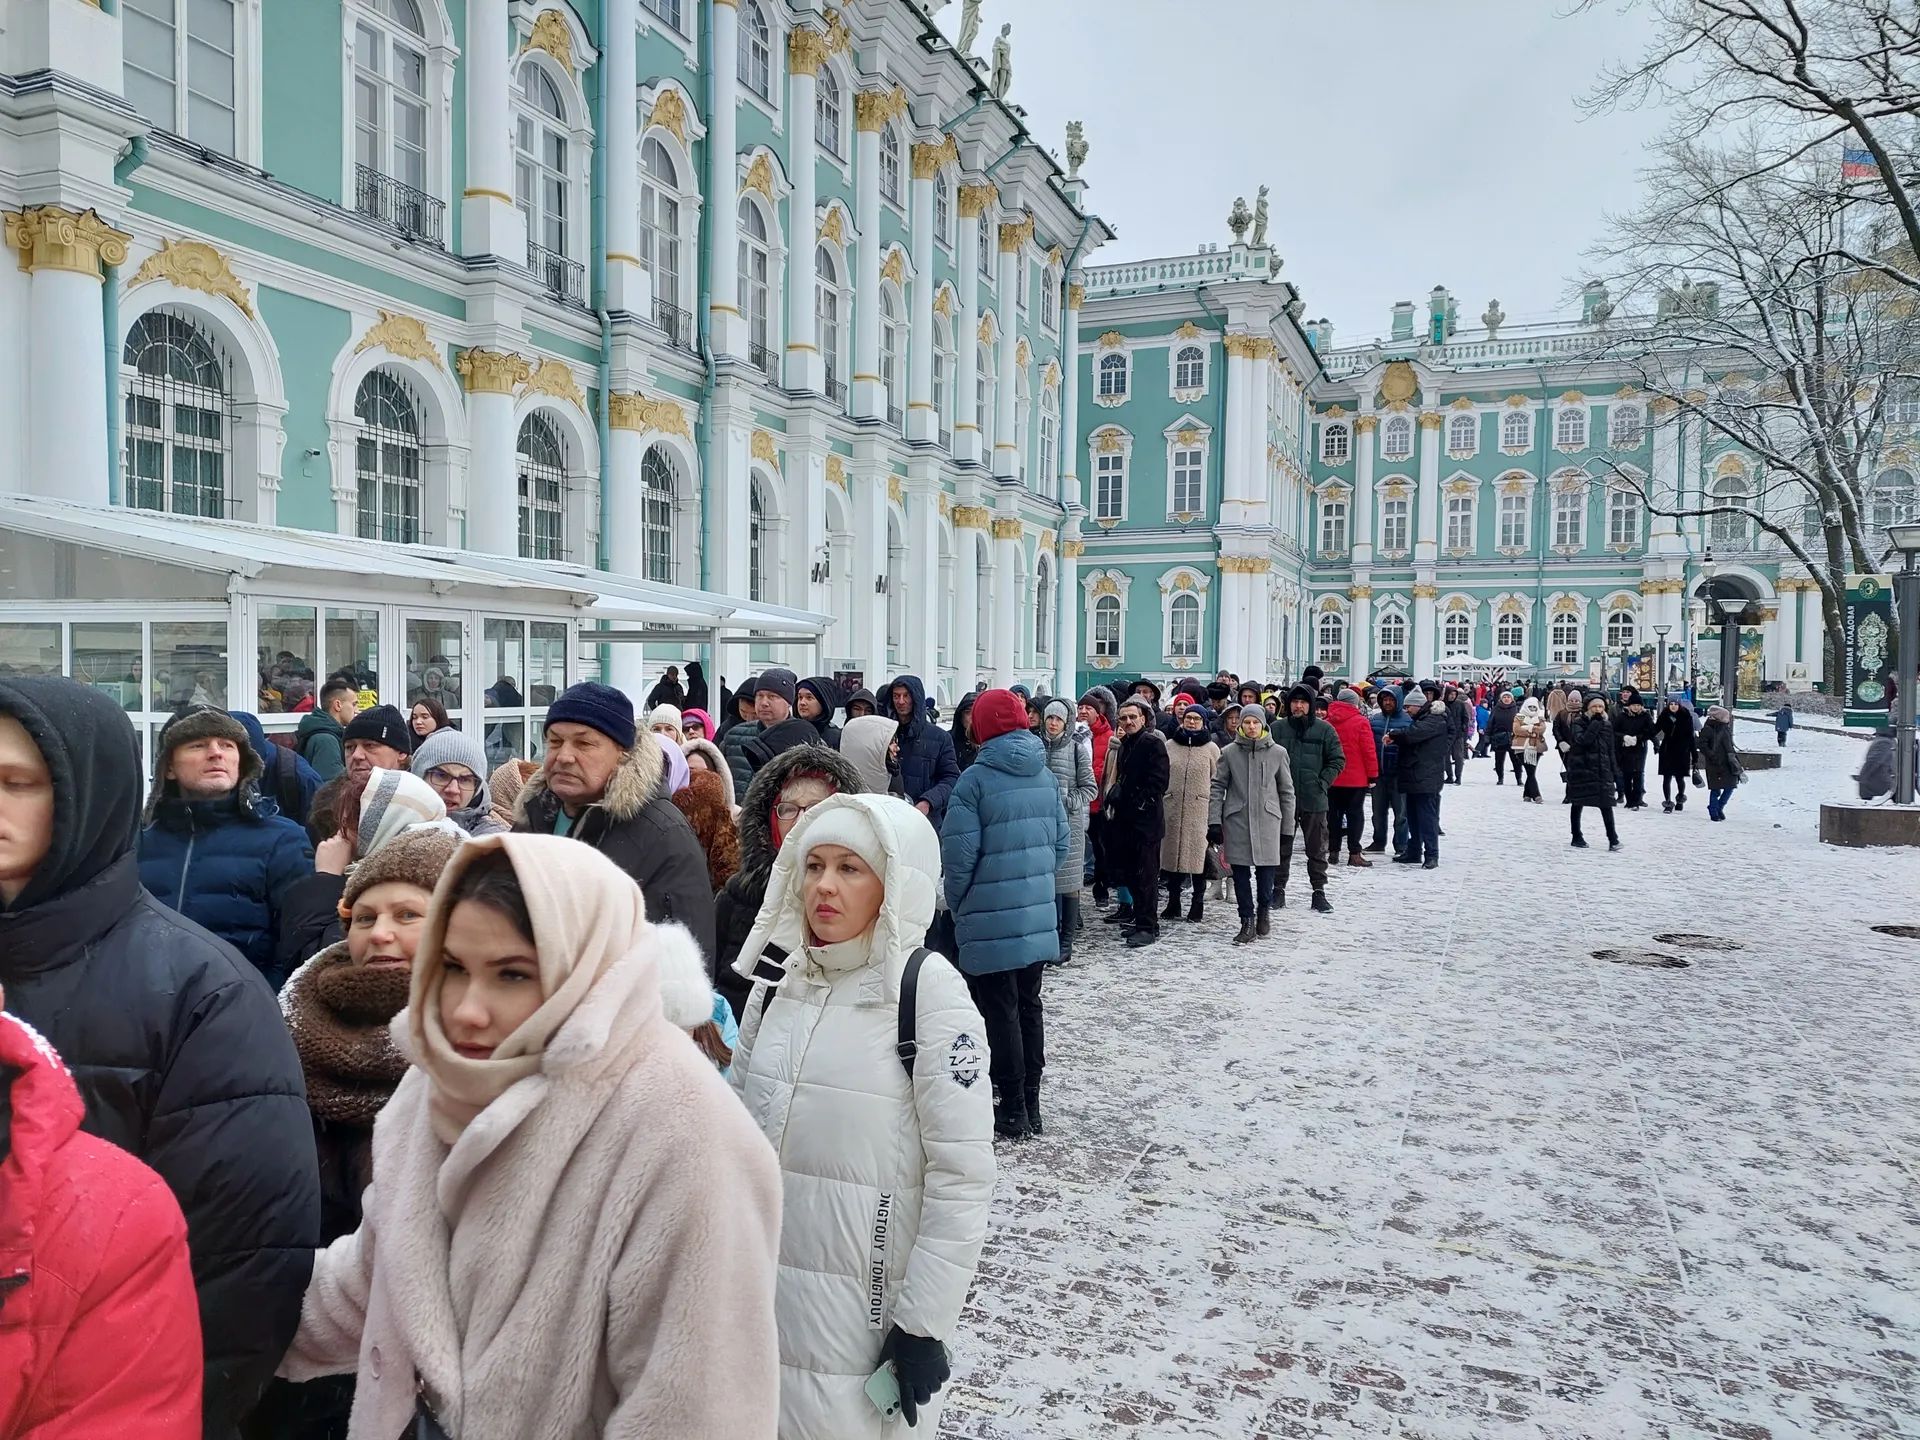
(400, 1088)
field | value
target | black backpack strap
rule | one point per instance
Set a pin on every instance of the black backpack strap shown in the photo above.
(909, 1047)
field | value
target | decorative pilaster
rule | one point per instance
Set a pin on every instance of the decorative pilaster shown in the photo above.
(1424, 637)
(921, 647)
(1241, 407)
(805, 367)
(1243, 614)
(629, 286)
(973, 202)
(490, 378)
(1007, 605)
(873, 111)
(966, 593)
(721, 221)
(1363, 491)
(1426, 545)
(1014, 239)
(490, 223)
(1066, 648)
(1360, 630)
(1069, 491)
(923, 420)
(1663, 535)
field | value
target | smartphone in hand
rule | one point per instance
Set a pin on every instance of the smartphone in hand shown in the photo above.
(883, 1389)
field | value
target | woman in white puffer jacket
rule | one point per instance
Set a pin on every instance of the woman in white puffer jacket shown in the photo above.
(887, 1181)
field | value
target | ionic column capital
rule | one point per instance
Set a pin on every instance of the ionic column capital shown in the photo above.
(49, 237)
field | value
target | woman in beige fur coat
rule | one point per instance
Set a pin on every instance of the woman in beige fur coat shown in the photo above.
(570, 1217)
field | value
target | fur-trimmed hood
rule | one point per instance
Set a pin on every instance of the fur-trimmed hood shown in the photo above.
(710, 752)
(639, 778)
(757, 849)
(1101, 699)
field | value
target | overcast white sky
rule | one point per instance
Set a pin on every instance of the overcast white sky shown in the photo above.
(1409, 143)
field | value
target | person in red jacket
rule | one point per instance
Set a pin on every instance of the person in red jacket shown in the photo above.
(1347, 796)
(99, 1328)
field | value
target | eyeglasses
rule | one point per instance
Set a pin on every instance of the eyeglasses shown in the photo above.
(790, 812)
(441, 778)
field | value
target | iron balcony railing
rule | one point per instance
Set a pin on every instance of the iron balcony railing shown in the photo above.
(761, 358)
(677, 323)
(414, 213)
(563, 277)
(896, 417)
(836, 389)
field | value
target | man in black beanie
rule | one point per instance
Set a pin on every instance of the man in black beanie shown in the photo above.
(376, 739)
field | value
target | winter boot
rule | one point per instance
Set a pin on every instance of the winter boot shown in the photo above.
(1010, 1118)
(1321, 903)
(1666, 807)
(1141, 938)
(1578, 843)
(1262, 922)
(1033, 1109)
(1100, 897)
(1122, 915)
(1172, 912)
(1245, 935)
(1358, 861)
(1613, 844)
(1198, 908)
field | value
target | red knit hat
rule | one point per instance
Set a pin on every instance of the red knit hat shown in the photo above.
(997, 712)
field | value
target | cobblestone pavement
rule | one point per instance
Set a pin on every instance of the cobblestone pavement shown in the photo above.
(1426, 1168)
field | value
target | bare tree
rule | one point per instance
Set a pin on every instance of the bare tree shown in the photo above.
(1801, 79)
(1756, 324)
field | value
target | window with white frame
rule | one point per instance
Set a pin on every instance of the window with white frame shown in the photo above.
(1459, 523)
(1333, 527)
(1110, 484)
(543, 483)
(1563, 640)
(828, 115)
(656, 515)
(1106, 627)
(1396, 438)
(179, 67)
(1395, 524)
(1570, 428)
(987, 228)
(660, 221)
(1893, 498)
(387, 460)
(390, 112)
(1903, 401)
(890, 347)
(1043, 614)
(1333, 640)
(1516, 430)
(1622, 632)
(1183, 627)
(667, 11)
(1186, 495)
(755, 63)
(756, 271)
(1510, 636)
(942, 370)
(1515, 511)
(1049, 303)
(541, 156)
(756, 542)
(826, 309)
(890, 163)
(1729, 527)
(1049, 440)
(1336, 443)
(1393, 638)
(1569, 517)
(1463, 434)
(1623, 516)
(1190, 369)
(1456, 634)
(983, 388)
(178, 436)
(1022, 419)
(1626, 427)
(1113, 376)
(943, 208)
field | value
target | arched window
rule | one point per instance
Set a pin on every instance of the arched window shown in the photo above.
(1043, 614)
(1333, 527)
(390, 110)
(1569, 518)
(826, 312)
(1729, 528)
(1627, 427)
(827, 113)
(1563, 640)
(1570, 428)
(756, 268)
(1463, 434)
(890, 348)
(1106, 627)
(1516, 430)
(1510, 636)
(890, 163)
(1190, 369)
(1113, 377)
(756, 50)
(1183, 628)
(1110, 483)
(1456, 634)
(1893, 498)
(1393, 638)
(1394, 524)
(756, 543)
(1903, 401)
(943, 208)
(1459, 523)
(1621, 630)
(1049, 441)
(983, 387)
(178, 432)
(1333, 640)
(179, 66)
(387, 460)
(660, 227)
(541, 146)
(1336, 443)
(542, 459)
(656, 515)
(942, 369)
(1623, 516)
(1396, 438)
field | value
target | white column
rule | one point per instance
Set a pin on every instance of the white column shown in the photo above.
(921, 647)
(973, 201)
(1813, 632)
(1691, 475)
(966, 595)
(1006, 454)
(493, 487)
(65, 349)
(805, 367)
(626, 537)
(869, 564)
(1003, 650)
(1066, 648)
(1426, 545)
(871, 113)
(490, 223)
(1360, 631)
(1424, 638)
(725, 496)
(629, 286)
(1363, 495)
(1234, 485)
(1663, 535)
(923, 421)
(722, 210)
(1070, 492)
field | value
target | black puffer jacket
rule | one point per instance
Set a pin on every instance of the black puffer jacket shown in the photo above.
(1424, 746)
(1590, 761)
(638, 827)
(1676, 741)
(1632, 720)
(1136, 808)
(738, 903)
(173, 1039)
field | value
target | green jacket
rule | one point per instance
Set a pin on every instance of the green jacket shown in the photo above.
(1317, 760)
(320, 742)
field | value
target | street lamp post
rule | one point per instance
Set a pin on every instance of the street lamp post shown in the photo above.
(1729, 616)
(1660, 660)
(1906, 604)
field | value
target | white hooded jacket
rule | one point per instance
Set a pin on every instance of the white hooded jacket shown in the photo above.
(887, 1183)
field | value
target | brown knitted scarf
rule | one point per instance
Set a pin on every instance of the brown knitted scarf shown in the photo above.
(338, 1013)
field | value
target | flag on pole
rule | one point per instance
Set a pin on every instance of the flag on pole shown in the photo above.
(1857, 164)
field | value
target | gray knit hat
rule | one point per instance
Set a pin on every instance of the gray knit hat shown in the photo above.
(456, 747)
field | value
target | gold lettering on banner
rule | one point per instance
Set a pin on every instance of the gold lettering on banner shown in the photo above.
(491, 372)
(400, 335)
(51, 238)
(194, 265)
(555, 379)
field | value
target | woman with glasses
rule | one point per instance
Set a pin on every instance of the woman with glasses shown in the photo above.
(454, 765)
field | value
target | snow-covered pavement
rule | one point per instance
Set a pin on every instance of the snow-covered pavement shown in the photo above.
(1427, 1168)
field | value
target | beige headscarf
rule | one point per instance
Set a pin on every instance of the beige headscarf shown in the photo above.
(586, 914)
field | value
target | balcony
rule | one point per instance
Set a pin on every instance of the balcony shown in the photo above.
(946, 439)
(836, 390)
(677, 323)
(414, 213)
(762, 359)
(565, 279)
(896, 417)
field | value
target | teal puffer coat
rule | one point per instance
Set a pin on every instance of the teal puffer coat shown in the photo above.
(1004, 837)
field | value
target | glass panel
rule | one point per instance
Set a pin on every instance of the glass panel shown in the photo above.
(106, 655)
(547, 672)
(353, 644)
(286, 649)
(189, 664)
(503, 660)
(505, 740)
(434, 659)
(30, 649)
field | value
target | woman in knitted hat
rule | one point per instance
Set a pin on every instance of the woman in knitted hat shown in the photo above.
(695, 725)
(544, 1253)
(1191, 755)
(667, 720)
(888, 1162)
(454, 765)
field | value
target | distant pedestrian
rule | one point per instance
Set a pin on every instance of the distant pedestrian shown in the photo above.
(1251, 815)
(1720, 759)
(1497, 734)
(1389, 803)
(1136, 822)
(1313, 747)
(1678, 747)
(1347, 796)
(668, 691)
(1783, 722)
(1633, 726)
(1425, 757)
(1529, 741)
(1070, 758)
(1590, 774)
(1191, 755)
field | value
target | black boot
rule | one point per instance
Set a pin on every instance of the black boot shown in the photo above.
(1198, 906)
(1172, 912)
(1245, 935)
(1262, 920)
(1321, 903)
(1010, 1118)
(1122, 915)
(1033, 1109)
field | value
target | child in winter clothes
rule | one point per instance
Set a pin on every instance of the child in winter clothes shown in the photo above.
(888, 1166)
(1783, 722)
(542, 1253)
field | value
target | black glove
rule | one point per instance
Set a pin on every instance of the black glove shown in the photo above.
(921, 1367)
(1216, 835)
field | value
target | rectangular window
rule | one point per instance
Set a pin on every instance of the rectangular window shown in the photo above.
(1106, 627)
(1393, 525)
(1623, 518)
(166, 41)
(1569, 519)
(1628, 429)
(1513, 522)
(1189, 482)
(1109, 487)
(1334, 444)
(667, 11)
(1333, 527)
(1459, 522)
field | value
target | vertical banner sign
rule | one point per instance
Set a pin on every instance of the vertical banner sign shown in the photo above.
(1869, 658)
